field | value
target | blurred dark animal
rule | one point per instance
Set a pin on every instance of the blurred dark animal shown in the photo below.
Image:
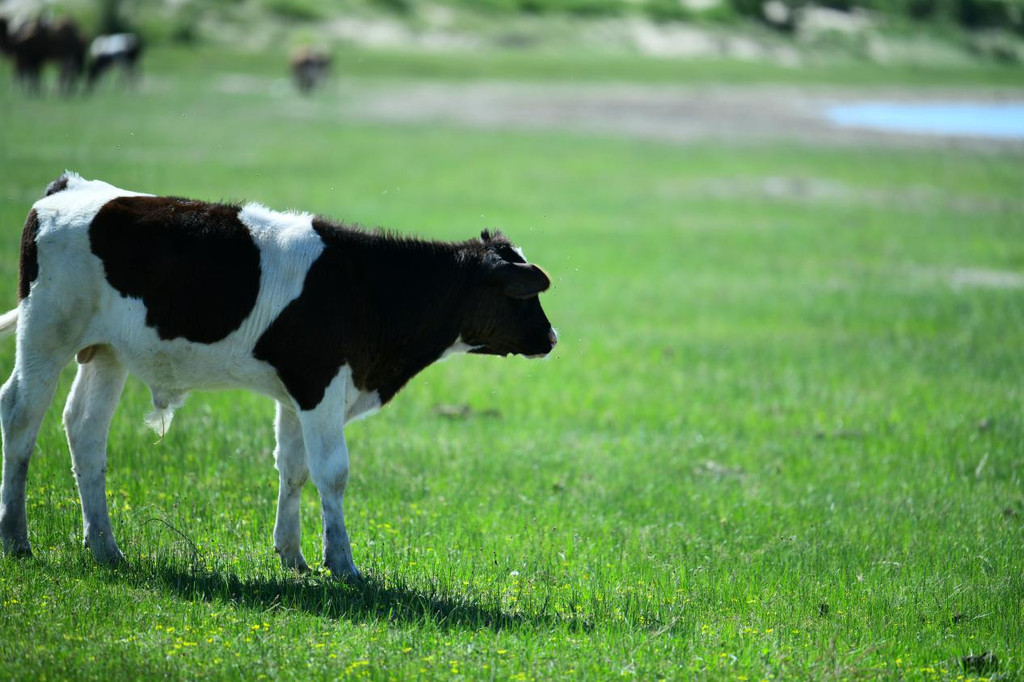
(309, 69)
(39, 41)
(118, 49)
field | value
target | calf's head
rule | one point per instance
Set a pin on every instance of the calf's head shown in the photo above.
(503, 314)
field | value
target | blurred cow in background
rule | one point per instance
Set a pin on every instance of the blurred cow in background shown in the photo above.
(118, 49)
(310, 68)
(42, 40)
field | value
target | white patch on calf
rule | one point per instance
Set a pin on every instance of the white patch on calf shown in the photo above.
(78, 202)
(288, 247)
(114, 44)
(456, 348)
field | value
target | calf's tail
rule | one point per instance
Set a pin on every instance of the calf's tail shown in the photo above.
(8, 322)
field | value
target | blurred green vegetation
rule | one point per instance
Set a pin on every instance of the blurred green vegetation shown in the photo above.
(180, 20)
(968, 13)
(971, 13)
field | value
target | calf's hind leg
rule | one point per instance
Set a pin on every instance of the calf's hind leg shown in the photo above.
(87, 415)
(23, 402)
(290, 458)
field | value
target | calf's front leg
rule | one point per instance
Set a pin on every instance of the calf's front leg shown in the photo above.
(324, 438)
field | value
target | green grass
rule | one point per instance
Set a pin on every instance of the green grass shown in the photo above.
(778, 439)
(350, 62)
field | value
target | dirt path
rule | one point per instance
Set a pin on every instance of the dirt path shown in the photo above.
(678, 114)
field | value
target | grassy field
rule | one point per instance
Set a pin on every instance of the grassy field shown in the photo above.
(591, 67)
(781, 438)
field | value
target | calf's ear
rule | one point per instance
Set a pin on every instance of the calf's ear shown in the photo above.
(520, 280)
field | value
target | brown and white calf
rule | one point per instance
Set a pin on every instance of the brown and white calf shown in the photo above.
(328, 320)
(39, 41)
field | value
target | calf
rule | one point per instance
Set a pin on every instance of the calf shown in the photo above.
(40, 41)
(329, 320)
(310, 68)
(118, 49)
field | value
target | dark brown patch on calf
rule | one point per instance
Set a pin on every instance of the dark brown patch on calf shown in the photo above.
(28, 268)
(378, 304)
(387, 307)
(193, 264)
(58, 185)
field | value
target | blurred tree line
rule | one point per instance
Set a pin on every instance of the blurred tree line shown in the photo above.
(973, 14)
(111, 20)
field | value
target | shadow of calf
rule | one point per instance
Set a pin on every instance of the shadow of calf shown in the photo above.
(373, 599)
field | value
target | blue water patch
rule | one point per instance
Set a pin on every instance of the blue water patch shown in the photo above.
(1003, 120)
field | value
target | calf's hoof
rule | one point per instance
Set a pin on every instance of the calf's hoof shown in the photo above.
(105, 553)
(347, 574)
(293, 561)
(16, 547)
(110, 557)
(14, 533)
